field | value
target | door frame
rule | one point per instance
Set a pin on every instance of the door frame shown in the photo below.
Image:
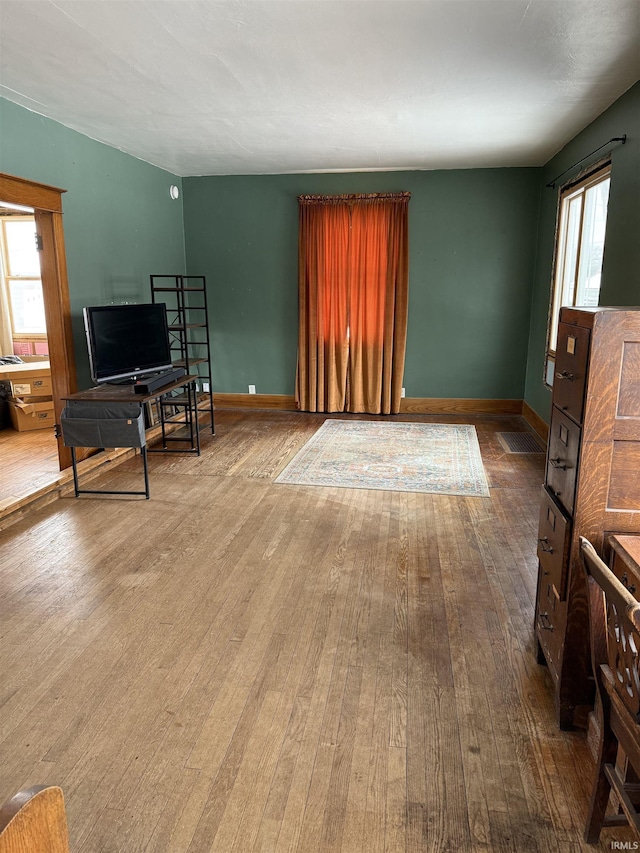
(46, 202)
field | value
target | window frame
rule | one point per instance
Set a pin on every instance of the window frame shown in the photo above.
(7, 277)
(577, 187)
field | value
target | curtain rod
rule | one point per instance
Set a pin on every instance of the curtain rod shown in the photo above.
(336, 199)
(621, 139)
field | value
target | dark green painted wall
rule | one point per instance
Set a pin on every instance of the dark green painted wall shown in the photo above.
(120, 223)
(471, 246)
(621, 265)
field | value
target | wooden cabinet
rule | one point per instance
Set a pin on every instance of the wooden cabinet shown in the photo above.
(625, 561)
(592, 485)
(562, 459)
(554, 533)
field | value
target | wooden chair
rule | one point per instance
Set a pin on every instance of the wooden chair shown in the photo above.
(34, 821)
(614, 619)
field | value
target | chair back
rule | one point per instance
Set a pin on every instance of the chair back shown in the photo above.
(615, 629)
(34, 821)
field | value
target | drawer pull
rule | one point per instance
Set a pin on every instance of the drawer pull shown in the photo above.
(544, 545)
(565, 375)
(558, 463)
(543, 619)
(625, 580)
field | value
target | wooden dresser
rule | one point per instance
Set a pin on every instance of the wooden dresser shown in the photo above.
(592, 485)
(625, 561)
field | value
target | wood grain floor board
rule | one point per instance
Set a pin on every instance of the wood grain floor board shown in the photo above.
(300, 678)
(382, 721)
(345, 628)
(280, 599)
(223, 722)
(364, 658)
(503, 592)
(395, 827)
(238, 665)
(525, 822)
(29, 462)
(244, 820)
(320, 684)
(485, 792)
(398, 733)
(336, 803)
(327, 701)
(448, 825)
(235, 791)
(272, 816)
(435, 820)
(427, 646)
(540, 820)
(373, 835)
(159, 839)
(515, 544)
(462, 621)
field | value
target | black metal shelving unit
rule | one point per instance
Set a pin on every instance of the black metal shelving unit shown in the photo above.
(185, 297)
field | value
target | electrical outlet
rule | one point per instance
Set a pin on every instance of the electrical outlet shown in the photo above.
(205, 387)
(252, 389)
(402, 393)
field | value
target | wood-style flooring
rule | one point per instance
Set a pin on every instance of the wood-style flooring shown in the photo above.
(28, 462)
(241, 666)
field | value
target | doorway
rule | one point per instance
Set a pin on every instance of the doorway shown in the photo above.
(28, 445)
(46, 203)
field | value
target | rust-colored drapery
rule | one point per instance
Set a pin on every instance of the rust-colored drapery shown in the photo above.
(353, 296)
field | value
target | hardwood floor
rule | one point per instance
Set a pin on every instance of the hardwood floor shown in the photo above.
(29, 462)
(236, 665)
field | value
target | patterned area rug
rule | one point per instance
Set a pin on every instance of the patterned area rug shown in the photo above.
(438, 458)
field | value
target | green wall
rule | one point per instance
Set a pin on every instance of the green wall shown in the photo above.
(120, 223)
(471, 247)
(621, 265)
(481, 247)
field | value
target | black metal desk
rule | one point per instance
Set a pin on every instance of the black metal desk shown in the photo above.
(123, 396)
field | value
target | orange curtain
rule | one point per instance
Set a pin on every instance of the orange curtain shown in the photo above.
(353, 297)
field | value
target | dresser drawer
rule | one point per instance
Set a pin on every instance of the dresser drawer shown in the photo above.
(572, 359)
(625, 561)
(550, 624)
(554, 531)
(562, 458)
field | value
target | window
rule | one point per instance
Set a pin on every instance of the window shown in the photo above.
(579, 251)
(21, 276)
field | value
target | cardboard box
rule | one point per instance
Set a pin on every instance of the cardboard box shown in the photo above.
(26, 416)
(32, 379)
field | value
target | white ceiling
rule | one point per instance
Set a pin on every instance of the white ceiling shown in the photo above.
(201, 87)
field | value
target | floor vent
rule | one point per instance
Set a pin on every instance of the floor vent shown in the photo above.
(520, 442)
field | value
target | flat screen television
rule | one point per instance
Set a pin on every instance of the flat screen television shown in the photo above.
(127, 341)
